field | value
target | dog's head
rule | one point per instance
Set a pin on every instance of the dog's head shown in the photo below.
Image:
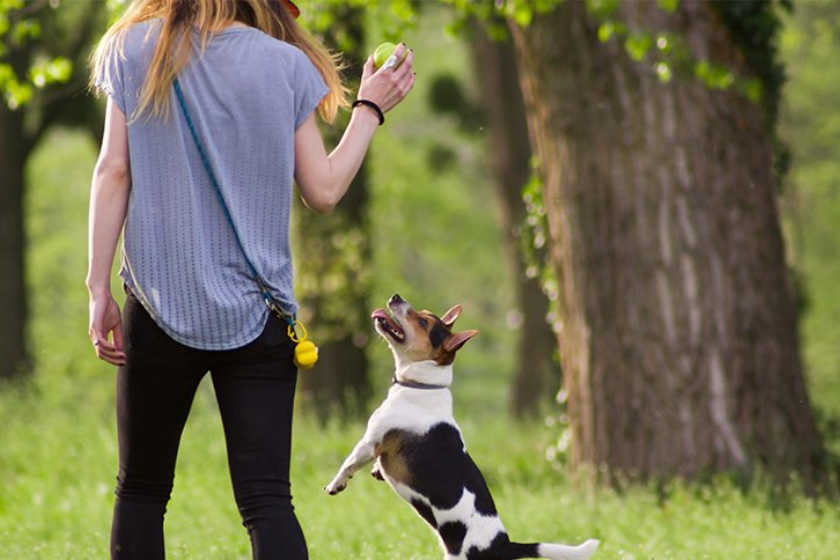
(417, 336)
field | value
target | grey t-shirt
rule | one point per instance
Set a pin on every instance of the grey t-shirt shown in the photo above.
(247, 94)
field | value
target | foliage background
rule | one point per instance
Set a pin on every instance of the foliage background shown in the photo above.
(436, 242)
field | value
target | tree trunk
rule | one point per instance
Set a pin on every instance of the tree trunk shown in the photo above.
(14, 355)
(494, 63)
(334, 256)
(15, 148)
(333, 265)
(20, 132)
(679, 339)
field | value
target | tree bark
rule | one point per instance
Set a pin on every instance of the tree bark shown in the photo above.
(494, 63)
(20, 132)
(679, 340)
(334, 259)
(14, 354)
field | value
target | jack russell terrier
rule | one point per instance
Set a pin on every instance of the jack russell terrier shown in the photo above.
(418, 449)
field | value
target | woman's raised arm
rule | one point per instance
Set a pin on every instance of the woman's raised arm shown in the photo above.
(323, 179)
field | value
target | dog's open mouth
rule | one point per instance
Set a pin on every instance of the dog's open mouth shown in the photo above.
(386, 325)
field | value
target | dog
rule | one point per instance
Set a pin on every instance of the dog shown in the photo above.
(416, 445)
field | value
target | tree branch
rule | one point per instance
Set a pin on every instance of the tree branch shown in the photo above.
(53, 98)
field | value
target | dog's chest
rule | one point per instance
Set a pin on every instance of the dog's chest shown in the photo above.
(433, 467)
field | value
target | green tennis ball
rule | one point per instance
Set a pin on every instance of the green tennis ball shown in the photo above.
(383, 51)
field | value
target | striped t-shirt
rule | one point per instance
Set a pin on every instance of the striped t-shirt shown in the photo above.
(247, 94)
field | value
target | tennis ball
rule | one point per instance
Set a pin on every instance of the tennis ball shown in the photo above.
(383, 51)
(306, 354)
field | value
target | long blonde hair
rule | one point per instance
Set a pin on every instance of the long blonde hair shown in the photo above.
(174, 46)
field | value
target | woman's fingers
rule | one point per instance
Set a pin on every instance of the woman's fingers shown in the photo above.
(118, 337)
(369, 68)
(405, 67)
(106, 320)
(101, 342)
(112, 357)
(106, 350)
(395, 61)
(408, 83)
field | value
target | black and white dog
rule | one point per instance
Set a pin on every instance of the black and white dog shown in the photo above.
(418, 447)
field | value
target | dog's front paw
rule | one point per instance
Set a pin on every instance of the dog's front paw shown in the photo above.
(335, 487)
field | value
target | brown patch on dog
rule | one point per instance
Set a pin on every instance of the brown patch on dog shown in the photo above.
(392, 457)
(428, 337)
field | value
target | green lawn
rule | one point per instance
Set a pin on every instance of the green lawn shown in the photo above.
(58, 463)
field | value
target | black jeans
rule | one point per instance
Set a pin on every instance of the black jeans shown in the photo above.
(255, 388)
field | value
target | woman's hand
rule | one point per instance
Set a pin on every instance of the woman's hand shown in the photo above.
(323, 179)
(389, 85)
(106, 319)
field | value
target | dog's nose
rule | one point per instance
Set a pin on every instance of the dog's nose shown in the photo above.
(396, 299)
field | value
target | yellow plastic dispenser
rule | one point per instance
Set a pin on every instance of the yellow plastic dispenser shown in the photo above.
(306, 353)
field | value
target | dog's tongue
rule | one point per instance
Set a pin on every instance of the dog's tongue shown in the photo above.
(380, 314)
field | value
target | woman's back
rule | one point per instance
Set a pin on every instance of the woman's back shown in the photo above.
(247, 93)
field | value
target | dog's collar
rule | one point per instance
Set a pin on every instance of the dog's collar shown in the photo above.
(417, 384)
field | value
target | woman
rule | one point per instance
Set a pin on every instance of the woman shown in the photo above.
(250, 79)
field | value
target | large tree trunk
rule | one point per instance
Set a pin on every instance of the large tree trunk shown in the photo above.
(14, 357)
(494, 63)
(15, 147)
(679, 339)
(20, 132)
(334, 254)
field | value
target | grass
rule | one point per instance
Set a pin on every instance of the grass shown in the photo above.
(58, 464)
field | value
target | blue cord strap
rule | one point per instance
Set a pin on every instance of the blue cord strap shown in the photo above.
(269, 301)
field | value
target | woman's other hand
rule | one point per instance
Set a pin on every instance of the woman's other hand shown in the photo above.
(389, 85)
(106, 319)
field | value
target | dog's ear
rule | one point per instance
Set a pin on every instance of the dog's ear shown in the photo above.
(456, 340)
(451, 316)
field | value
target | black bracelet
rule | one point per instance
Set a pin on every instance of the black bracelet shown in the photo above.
(372, 105)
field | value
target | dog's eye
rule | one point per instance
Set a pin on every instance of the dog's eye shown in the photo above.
(424, 323)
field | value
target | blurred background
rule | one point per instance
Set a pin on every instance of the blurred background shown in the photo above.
(637, 205)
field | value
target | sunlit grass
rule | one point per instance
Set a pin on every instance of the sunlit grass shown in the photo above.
(58, 464)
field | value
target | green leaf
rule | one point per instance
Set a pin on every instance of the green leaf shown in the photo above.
(7, 74)
(714, 76)
(455, 28)
(8, 5)
(602, 9)
(663, 72)
(17, 94)
(57, 70)
(403, 10)
(754, 90)
(26, 29)
(4, 23)
(523, 14)
(638, 44)
(669, 6)
(605, 31)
